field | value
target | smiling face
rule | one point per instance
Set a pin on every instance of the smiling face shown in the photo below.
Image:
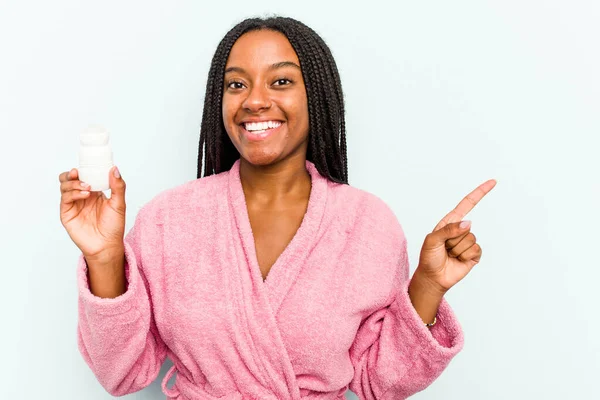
(265, 108)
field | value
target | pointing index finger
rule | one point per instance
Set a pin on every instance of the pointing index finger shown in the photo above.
(466, 204)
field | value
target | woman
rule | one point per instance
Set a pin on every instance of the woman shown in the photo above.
(270, 277)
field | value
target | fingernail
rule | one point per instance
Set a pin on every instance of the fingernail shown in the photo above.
(85, 185)
(465, 224)
(116, 173)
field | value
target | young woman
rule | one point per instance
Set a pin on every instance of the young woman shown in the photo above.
(269, 277)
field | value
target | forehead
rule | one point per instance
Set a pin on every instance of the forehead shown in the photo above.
(261, 49)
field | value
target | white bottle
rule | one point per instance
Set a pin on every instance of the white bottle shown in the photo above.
(95, 158)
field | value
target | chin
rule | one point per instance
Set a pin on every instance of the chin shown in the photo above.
(261, 158)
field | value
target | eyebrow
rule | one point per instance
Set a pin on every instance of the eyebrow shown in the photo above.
(278, 65)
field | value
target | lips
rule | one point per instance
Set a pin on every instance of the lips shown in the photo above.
(260, 130)
(261, 125)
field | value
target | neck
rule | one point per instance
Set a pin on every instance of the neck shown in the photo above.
(279, 181)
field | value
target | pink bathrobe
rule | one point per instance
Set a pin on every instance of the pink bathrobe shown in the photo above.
(334, 312)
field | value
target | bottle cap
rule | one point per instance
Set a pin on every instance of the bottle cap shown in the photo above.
(94, 135)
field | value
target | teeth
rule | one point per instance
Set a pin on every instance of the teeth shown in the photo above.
(261, 126)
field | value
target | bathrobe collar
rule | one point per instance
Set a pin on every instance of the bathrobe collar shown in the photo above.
(259, 301)
(286, 268)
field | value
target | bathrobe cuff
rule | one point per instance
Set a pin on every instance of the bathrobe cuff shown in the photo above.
(93, 304)
(443, 340)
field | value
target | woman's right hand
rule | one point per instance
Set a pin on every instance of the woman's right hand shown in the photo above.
(94, 222)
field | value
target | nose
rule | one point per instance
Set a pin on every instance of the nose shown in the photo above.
(258, 99)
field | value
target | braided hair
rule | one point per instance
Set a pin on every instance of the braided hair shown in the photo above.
(327, 127)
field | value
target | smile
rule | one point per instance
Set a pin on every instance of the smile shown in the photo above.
(260, 130)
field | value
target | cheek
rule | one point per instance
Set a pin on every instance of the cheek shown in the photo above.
(298, 107)
(302, 121)
(228, 110)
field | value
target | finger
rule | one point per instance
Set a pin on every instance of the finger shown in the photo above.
(73, 185)
(74, 195)
(473, 253)
(63, 177)
(466, 204)
(117, 190)
(69, 175)
(450, 243)
(462, 246)
(450, 231)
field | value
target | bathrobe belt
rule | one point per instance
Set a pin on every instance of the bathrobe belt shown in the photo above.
(189, 391)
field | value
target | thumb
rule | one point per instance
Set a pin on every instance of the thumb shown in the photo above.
(450, 231)
(117, 189)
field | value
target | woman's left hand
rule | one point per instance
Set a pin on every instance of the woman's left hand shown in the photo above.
(450, 251)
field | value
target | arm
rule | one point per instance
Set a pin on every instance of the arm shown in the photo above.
(106, 278)
(394, 354)
(117, 337)
(424, 298)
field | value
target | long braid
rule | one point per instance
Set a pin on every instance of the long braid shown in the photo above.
(327, 126)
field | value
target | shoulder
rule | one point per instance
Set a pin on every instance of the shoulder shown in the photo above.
(366, 212)
(181, 199)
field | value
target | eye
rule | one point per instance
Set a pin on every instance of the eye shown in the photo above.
(235, 85)
(282, 82)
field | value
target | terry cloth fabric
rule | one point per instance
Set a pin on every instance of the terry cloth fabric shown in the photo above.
(333, 313)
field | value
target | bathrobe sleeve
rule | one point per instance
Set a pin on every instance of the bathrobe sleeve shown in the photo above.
(117, 337)
(394, 354)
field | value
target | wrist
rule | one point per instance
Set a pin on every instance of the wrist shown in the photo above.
(425, 298)
(424, 283)
(109, 257)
